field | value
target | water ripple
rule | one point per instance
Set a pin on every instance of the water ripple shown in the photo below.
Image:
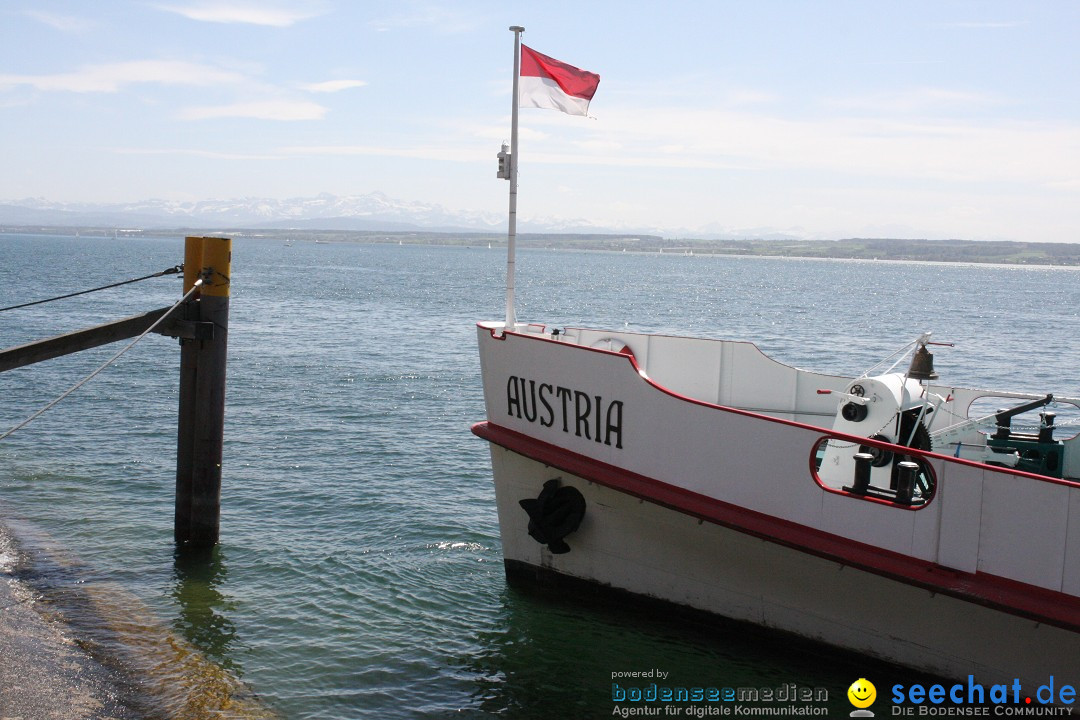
(360, 570)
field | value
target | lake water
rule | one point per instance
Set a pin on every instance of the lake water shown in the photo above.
(360, 573)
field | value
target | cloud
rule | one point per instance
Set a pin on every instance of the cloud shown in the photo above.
(740, 97)
(916, 100)
(209, 154)
(332, 86)
(63, 23)
(986, 25)
(287, 110)
(249, 13)
(837, 148)
(110, 78)
(449, 152)
(444, 19)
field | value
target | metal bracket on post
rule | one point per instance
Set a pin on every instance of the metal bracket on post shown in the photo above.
(177, 327)
(188, 330)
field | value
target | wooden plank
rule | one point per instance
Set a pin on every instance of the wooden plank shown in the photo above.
(79, 340)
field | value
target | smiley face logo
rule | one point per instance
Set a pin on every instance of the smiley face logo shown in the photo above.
(862, 693)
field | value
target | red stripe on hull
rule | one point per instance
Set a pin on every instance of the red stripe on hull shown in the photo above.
(1021, 599)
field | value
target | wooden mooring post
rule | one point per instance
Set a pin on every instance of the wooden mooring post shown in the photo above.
(201, 422)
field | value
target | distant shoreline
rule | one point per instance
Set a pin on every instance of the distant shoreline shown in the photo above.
(917, 250)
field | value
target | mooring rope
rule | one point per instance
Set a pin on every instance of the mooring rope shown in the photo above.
(110, 361)
(167, 271)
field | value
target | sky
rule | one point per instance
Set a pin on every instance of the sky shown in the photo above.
(827, 119)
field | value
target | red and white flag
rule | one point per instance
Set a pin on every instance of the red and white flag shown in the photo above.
(545, 82)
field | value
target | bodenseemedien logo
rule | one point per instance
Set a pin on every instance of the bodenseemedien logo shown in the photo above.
(862, 694)
(699, 701)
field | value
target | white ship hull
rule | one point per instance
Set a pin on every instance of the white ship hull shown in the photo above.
(662, 554)
(692, 501)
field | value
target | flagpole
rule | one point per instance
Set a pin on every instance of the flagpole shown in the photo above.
(511, 238)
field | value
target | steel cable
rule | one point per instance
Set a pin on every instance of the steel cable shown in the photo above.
(110, 361)
(167, 271)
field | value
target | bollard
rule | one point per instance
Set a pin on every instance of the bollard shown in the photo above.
(1046, 426)
(905, 482)
(862, 473)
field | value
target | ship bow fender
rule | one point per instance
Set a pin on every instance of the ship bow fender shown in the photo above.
(556, 513)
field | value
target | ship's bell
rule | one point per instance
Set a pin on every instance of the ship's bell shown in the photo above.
(922, 365)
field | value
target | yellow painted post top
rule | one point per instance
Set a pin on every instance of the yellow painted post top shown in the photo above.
(210, 258)
(193, 248)
(217, 259)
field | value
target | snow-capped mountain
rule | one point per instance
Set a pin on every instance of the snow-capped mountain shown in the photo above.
(373, 211)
